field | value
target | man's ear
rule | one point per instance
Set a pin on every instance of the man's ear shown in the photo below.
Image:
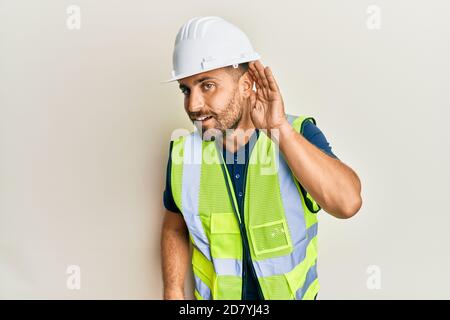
(246, 85)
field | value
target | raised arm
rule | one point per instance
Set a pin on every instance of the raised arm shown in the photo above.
(333, 184)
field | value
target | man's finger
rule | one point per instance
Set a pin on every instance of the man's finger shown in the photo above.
(256, 78)
(253, 72)
(264, 84)
(260, 69)
(271, 79)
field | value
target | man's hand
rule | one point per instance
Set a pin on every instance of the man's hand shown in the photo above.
(267, 104)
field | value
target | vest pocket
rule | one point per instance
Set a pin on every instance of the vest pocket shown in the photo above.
(270, 237)
(276, 287)
(225, 236)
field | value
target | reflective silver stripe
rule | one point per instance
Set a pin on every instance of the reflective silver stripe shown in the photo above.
(192, 165)
(202, 288)
(290, 118)
(310, 277)
(284, 264)
(292, 203)
(228, 267)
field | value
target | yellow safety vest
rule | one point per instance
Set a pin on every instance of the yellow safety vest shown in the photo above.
(280, 220)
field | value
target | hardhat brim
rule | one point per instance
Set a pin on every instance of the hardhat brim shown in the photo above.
(181, 76)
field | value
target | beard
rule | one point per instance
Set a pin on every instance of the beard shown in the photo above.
(227, 120)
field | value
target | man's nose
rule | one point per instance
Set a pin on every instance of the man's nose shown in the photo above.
(196, 102)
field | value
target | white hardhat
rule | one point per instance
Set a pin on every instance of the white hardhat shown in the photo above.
(207, 43)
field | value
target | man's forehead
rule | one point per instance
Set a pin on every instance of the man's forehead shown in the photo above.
(216, 74)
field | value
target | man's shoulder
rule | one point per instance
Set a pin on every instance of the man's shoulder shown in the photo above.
(181, 137)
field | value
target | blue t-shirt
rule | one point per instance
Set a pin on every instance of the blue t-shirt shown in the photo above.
(236, 164)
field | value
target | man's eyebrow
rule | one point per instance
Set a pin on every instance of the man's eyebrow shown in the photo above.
(183, 86)
(204, 79)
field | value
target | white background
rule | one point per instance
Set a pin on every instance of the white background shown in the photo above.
(86, 125)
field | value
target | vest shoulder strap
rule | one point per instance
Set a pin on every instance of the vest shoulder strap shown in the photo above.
(298, 122)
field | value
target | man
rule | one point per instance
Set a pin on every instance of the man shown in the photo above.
(249, 210)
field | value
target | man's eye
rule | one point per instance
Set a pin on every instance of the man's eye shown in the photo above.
(208, 86)
(185, 92)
